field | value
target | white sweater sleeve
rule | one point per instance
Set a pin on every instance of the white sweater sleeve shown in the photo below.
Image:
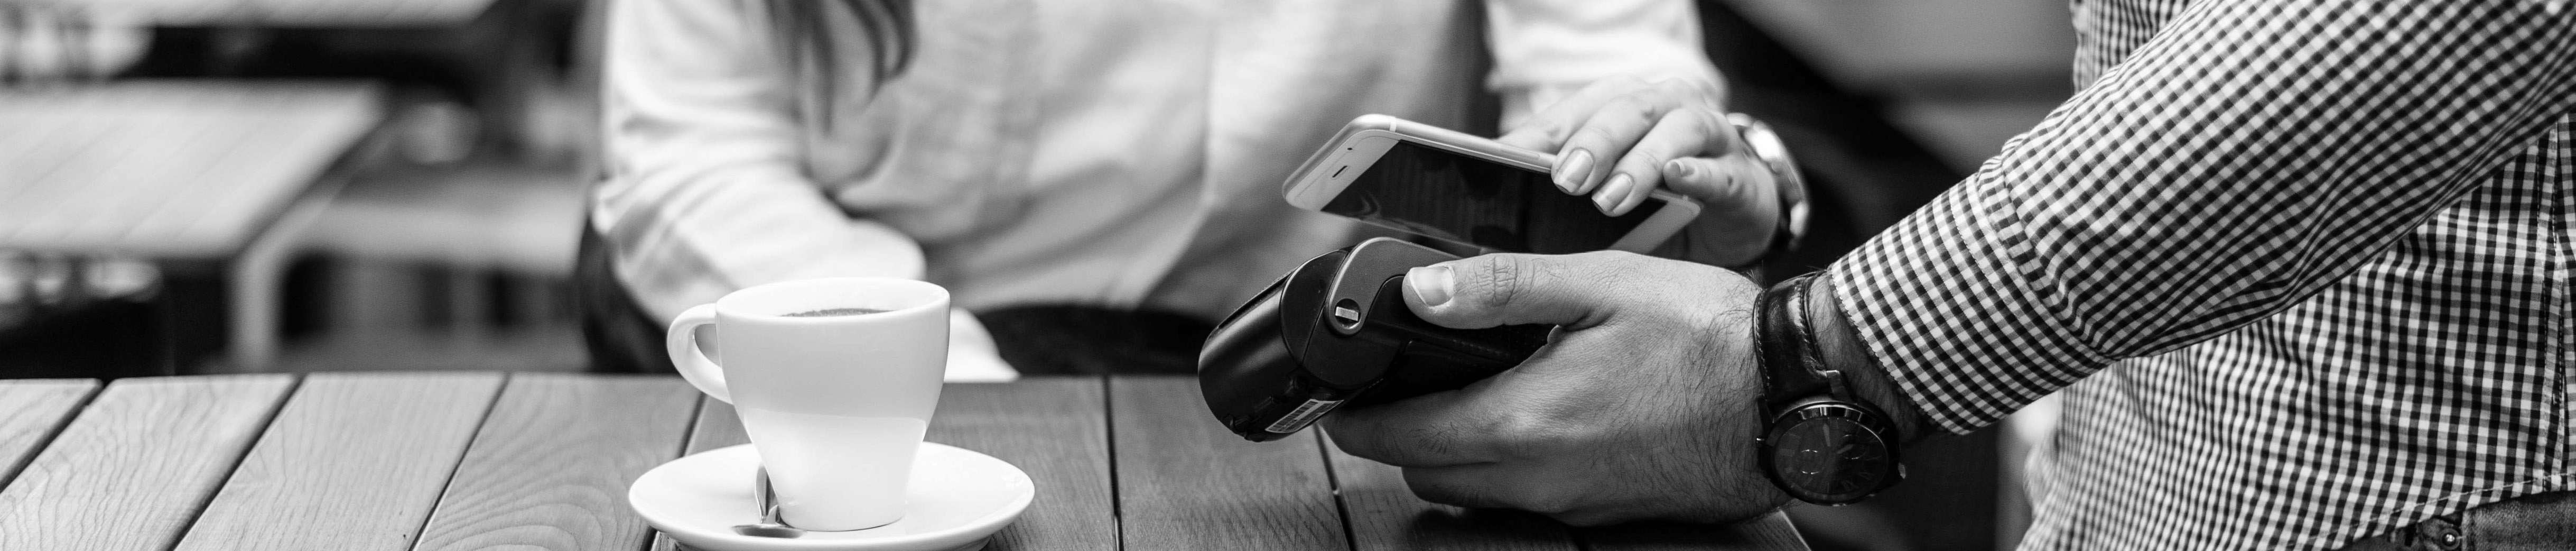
(1545, 49)
(706, 190)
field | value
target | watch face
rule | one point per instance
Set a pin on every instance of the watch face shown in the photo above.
(1829, 459)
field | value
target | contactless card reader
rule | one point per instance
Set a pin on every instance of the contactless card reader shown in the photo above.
(1335, 333)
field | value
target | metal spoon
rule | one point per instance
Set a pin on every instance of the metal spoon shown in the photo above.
(769, 526)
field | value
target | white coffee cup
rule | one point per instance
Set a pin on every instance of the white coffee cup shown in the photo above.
(836, 404)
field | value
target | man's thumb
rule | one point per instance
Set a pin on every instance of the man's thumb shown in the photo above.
(1507, 289)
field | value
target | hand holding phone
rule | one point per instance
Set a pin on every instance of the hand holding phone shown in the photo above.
(1453, 186)
(1619, 138)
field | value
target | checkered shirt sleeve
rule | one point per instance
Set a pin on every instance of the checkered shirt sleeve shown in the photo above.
(2307, 232)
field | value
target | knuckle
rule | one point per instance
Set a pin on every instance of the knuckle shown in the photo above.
(1646, 162)
(1438, 441)
(1555, 501)
(1721, 136)
(1643, 112)
(1532, 434)
(1504, 278)
(1592, 136)
(1554, 132)
(1709, 122)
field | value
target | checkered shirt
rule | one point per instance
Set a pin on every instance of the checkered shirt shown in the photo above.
(2309, 259)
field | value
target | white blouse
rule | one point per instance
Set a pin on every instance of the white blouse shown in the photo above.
(1110, 153)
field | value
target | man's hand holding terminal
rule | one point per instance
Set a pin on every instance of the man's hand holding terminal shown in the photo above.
(1644, 404)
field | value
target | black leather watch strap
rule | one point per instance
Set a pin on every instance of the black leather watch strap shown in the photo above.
(1790, 366)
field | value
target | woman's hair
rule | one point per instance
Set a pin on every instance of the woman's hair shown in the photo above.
(817, 57)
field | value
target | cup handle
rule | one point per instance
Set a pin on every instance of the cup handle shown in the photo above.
(692, 363)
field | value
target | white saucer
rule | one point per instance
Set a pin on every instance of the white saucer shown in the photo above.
(957, 500)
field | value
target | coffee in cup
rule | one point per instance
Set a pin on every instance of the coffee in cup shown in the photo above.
(835, 380)
(829, 312)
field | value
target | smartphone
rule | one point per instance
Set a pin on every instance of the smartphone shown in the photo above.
(1453, 186)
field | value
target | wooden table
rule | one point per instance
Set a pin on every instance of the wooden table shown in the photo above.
(474, 460)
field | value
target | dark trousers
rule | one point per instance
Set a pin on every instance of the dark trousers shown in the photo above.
(1037, 340)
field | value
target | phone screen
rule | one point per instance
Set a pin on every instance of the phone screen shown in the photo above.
(1434, 192)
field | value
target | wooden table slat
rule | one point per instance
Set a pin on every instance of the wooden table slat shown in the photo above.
(31, 412)
(1384, 514)
(354, 462)
(550, 467)
(1057, 430)
(143, 458)
(1184, 482)
(1769, 532)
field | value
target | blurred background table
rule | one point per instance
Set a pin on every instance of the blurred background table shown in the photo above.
(167, 169)
(285, 13)
(479, 460)
(197, 176)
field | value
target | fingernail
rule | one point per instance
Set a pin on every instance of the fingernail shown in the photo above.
(1571, 172)
(1430, 284)
(1613, 191)
(1677, 169)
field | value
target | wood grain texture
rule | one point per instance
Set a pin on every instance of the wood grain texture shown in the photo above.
(1770, 532)
(550, 467)
(1184, 482)
(133, 470)
(1384, 514)
(1057, 430)
(32, 411)
(354, 462)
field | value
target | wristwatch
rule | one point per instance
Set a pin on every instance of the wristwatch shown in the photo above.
(1823, 444)
(1765, 147)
